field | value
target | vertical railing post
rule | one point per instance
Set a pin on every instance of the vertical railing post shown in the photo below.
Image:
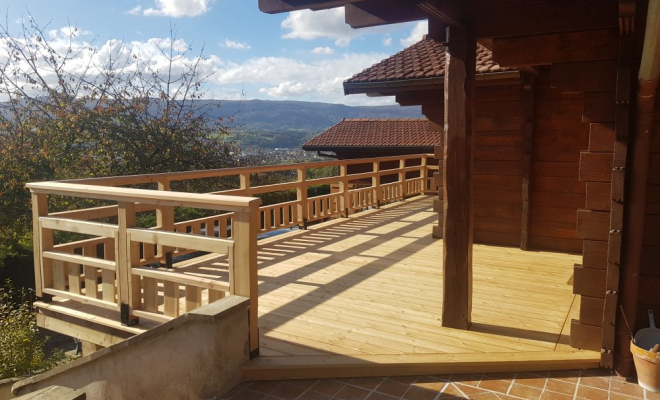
(42, 239)
(245, 183)
(244, 282)
(301, 197)
(402, 178)
(165, 222)
(126, 253)
(423, 173)
(343, 188)
(375, 183)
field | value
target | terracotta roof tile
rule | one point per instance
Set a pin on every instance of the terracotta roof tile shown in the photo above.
(424, 59)
(376, 133)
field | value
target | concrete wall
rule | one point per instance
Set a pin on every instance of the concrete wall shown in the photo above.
(198, 355)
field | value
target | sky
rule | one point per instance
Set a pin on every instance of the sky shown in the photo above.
(302, 55)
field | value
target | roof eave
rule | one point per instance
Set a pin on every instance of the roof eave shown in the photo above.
(356, 148)
(395, 86)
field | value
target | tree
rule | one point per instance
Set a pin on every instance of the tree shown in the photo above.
(70, 112)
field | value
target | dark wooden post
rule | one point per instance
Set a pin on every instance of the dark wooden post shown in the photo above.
(459, 117)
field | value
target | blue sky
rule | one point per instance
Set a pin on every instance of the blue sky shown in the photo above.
(294, 56)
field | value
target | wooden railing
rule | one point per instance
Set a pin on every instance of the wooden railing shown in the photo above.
(123, 267)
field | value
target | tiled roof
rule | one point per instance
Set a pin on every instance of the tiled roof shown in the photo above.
(376, 133)
(424, 59)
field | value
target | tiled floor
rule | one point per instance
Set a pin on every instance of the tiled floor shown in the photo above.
(554, 385)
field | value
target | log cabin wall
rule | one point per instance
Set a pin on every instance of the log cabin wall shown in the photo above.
(650, 267)
(556, 192)
(498, 164)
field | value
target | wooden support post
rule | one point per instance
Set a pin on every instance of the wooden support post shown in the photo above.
(458, 218)
(622, 130)
(165, 222)
(126, 253)
(245, 183)
(528, 144)
(343, 187)
(243, 282)
(301, 197)
(402, 178)
(375, 183)
(42, 240)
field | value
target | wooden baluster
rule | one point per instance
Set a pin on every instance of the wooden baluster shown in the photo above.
(150, 287)
(402, 178)
(375, 184)
(108, 277)
(193, 298)
(222, 228)
(286, 221)
(59, 277)
(301, 197)
(423, 174)
(73, 272)
(42, 241)
(209, 226)
(91, 282)
(171, 299)
(215, 295)
(344, 199)
(165, 222)
(127, 253)
(244, 278)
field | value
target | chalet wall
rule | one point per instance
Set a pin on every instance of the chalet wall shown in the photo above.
(650, 268)
(560, 135)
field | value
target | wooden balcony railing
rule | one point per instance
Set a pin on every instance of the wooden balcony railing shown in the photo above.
(113, 268)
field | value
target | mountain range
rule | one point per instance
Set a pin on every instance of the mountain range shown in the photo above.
(289, 124)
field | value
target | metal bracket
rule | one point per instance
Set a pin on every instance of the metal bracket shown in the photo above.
(125, 312)
(45, 298)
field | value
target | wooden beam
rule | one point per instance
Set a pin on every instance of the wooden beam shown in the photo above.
(458, 216)
(592, 45)
(449, 12)
(382, 12)
(281, 6)
(528, 149)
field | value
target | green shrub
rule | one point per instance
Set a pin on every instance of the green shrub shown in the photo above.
(22, 348)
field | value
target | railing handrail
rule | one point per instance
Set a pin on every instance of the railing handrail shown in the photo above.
(159, 198)
(220, 172)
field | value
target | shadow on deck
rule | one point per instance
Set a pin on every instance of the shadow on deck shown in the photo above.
(367, 291)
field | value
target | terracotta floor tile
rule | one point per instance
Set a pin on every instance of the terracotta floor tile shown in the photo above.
(381, 396)
(468, 379)
(595, 382)
(287, 391)
(618, 396)
(469, 390)
(602, 372)
(352, 393)
(306, 383)
(312, 395)
(586, 392)
(264, 386)
(548, 395)
(560, 386)
(571, 376)
(530, 380)
(247, 394)
(392, 388)
(484, 396)
(496, 385)
(444, 377)
(404, 379)
(500, 375)
(328, 386)
(417, 393)
(451, 392)
(430, 383)
(622, 387)
(366, 383)
(652, 396)
(525, 392)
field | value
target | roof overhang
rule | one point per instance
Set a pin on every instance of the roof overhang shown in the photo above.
(363, 148)
(385, 88)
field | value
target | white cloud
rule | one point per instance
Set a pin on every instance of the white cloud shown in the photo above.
(310, 25)
(287, 78)
(174, 8)
(417, 33)
(387, 41)
(323, 50)
(233, 44)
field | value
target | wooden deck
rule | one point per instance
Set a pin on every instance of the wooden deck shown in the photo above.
(371, 286)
